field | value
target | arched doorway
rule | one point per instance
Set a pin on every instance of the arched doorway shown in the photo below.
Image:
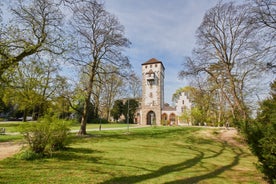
(151, 118)
(172, 119)
(164, 119)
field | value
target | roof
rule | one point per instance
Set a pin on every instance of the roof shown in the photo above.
(153, 61)
(167, 107)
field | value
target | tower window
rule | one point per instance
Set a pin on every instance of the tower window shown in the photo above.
(150, 94)
(155, 65)
(146, 66)
(150, 66)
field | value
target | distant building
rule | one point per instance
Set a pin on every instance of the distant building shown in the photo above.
(153, 110)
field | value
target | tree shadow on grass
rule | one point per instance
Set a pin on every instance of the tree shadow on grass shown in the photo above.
(162, 171)
(212, 174)
(182, 166)
(77, 154)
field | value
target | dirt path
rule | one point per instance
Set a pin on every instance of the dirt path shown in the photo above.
(8, 149)
(231, 136)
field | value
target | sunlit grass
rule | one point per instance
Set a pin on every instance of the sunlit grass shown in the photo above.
(147, 155)
(76, 126)
(12, 126)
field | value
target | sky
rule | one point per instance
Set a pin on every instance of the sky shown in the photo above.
(161, 29)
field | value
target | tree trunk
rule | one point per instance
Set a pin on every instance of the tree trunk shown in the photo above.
(25, 115)
(82, 130)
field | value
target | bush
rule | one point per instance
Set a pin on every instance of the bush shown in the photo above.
(262, 141)
(46, 134)
(59, 132)
(29, 155)
(261, 136)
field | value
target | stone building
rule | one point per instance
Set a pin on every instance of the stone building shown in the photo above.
(153, 110)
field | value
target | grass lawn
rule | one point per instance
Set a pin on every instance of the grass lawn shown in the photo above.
(96, 126)
(12, 126)
(147, 155)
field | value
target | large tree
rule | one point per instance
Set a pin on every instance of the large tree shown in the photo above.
(110, 89)
(35, 27)
(263, 16)
(227, 54)
(100, 40)
(33, 86)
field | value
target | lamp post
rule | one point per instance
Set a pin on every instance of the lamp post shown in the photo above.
(128, 115)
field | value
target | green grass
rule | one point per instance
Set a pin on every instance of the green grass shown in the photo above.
(11, 126)
(147, 155)
(96, 126)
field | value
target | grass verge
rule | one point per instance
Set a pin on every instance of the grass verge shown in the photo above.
(147, 155)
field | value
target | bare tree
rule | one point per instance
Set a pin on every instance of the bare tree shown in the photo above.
(135, 86)
(263, 16)
(111, 85)
(35, 27)
(227, 53)
(100, 40)
(264, 13)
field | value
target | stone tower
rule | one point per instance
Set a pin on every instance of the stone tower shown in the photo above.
(152, 92)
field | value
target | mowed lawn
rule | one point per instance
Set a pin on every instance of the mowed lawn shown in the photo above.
(146, 155)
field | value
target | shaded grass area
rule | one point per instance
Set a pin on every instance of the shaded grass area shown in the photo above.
(148, 155)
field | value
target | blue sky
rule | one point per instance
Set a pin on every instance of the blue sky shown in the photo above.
(161, 29)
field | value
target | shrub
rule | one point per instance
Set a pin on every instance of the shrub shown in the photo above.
(261, 136)
(59, 132)
(46, 134)
(36, 134)
(262, 141)
(28, 155)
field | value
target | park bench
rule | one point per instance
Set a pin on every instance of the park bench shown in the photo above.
(2, 131)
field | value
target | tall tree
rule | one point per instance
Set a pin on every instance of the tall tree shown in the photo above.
(227, 54)
(100, 40)
(33, 86)
(111, 85)
(135, 86)
(35, 27)
(117, 109)
(129, 108)
(263, 16)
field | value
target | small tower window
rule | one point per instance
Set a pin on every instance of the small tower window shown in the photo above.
(150, 76)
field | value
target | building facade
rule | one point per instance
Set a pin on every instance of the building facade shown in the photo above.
(153, 110)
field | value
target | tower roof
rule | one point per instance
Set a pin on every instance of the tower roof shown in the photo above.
(153, 61)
